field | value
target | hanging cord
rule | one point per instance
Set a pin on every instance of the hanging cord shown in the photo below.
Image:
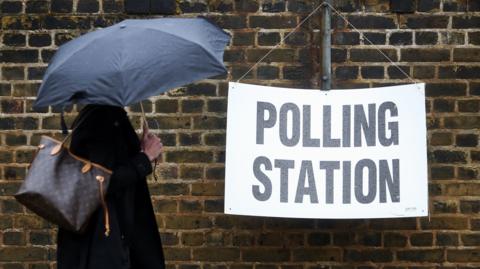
(348, 22)
(280, 42)
(371, 43)
(144, 121)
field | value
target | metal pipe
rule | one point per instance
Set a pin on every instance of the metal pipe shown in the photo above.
(326, 47)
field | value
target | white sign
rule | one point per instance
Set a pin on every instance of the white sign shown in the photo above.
(338, 154)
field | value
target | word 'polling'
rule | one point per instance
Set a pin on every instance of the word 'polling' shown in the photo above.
(294, 125)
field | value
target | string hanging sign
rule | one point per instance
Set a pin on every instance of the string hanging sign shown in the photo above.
(310, 154)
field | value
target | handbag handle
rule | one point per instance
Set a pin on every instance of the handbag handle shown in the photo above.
(57, 148)
(78, 124)
(144, 121)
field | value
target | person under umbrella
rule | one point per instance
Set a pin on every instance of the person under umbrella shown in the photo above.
(106, 137)
(107, 70)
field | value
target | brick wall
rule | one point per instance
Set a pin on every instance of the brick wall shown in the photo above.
(435, 41)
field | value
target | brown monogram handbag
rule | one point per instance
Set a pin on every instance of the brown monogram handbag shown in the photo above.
(63, 188)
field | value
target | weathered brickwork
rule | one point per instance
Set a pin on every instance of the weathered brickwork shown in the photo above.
(434, 41)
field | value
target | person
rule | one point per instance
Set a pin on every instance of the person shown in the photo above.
(105, 136)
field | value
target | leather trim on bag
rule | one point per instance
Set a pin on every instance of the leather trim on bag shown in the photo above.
(78, 157)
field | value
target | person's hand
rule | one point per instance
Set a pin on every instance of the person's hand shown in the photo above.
(151, 144)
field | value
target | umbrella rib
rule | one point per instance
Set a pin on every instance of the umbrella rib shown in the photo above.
(208, 53)
(203, 48)
(122, 78)
(77, 51)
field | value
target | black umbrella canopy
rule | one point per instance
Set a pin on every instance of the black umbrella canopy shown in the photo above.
(133, 60)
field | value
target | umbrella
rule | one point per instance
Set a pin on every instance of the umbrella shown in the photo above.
(132, 60)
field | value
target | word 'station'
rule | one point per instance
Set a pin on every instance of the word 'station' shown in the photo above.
(341, 154)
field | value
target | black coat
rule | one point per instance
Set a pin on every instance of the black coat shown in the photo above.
(106, 137)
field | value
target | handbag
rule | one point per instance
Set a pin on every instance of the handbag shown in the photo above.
(63, 188)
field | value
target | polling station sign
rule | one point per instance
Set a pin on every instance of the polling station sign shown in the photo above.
(339, 154)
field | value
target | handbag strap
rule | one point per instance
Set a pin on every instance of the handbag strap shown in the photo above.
(69, 135)
(144, 121)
